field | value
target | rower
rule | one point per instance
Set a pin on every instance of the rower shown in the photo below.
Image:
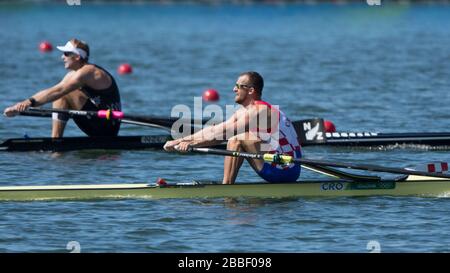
(86, 87)
(275, 134)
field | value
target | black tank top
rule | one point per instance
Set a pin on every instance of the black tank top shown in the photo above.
(108, 98)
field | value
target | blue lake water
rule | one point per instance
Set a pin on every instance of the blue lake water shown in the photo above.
(365, 68)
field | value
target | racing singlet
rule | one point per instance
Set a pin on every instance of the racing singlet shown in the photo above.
(281, 139)
(104, 99)
(108, 98)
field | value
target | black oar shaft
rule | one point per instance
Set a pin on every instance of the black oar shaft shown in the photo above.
(36, 114)
(71, 113)
(226, 152)
(151, 121)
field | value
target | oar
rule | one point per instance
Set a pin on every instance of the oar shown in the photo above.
(107, 114)
(151, 121)
(285, 159)
(45, 114)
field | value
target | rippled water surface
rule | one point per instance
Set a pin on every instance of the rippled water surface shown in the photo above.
(366, 69)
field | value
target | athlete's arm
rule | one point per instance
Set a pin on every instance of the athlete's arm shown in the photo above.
(204, 137)
(256, 116)
(71, 82)
(239, 123)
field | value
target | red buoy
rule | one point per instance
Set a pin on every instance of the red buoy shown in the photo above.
(161, 181)
(45, 46)
(124, 69)
(329, 126)
(210, 95)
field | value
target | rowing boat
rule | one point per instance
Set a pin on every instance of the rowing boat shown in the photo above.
(432, 182)
(403, 186)
(341, 139)
(311, 132)
(84, 143)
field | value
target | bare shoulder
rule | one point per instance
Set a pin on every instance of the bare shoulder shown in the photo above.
(255, 108)
(260, 107)
(87, 69)
(71, 76)
(68, 75)
(91, 73)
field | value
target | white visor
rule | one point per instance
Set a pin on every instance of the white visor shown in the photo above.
(69, 47)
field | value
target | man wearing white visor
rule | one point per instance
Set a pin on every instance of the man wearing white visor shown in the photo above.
(86, 87)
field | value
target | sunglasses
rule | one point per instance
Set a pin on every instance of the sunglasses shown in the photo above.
(239, 86)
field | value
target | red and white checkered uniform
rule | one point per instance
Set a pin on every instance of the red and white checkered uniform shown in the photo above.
(282, 141)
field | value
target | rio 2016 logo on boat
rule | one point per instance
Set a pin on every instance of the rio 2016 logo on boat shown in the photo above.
(332, 186)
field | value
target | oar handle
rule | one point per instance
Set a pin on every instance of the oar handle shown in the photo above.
(278, 159)
(108, 114)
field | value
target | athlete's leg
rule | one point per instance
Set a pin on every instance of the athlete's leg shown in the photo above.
(241, 143)
(75, 101)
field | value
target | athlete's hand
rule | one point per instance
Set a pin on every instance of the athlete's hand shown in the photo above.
(10, 112)
(16, 109)
(183, 147)
(170, 145)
